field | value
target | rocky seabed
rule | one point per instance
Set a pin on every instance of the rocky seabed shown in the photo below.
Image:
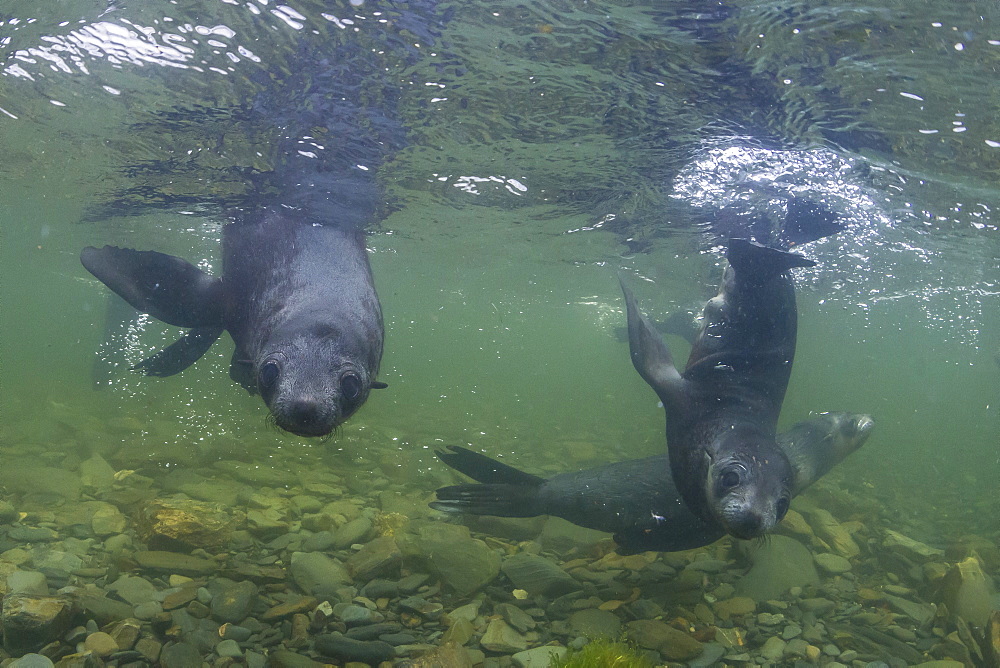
(253, 565)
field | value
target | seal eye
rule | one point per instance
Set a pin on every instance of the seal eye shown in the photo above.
(268, 375)
(781, 508)
(730, 479)
(350, 384)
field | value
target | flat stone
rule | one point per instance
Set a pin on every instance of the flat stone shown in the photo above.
(778, 565)
(353, 532)
(27, 582)
(379, 558)
(735, 607)
(234, 603)
(773, 649)
(31, 621)
(282, 658)
(447, 551)
(180, 655)
(654, 634)
(317, 574)
(968, 591)
(174, 562)
(31, 661)
(539, 657)
(289, 608)
(538, 575)
(592, 623)
(833, 564)
(514, 616)
(501, 637)
(180, 598)
(107, 520)
(101, 644)
(96, 473)
(133, 589)
(229, 648)
(341, 647)
(914, 549)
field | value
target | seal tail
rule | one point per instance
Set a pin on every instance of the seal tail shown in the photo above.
(500, 500)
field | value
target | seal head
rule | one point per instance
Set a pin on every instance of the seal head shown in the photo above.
(748, 484)
(311, 381)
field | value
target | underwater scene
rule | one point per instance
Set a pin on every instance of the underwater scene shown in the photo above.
(456, 334)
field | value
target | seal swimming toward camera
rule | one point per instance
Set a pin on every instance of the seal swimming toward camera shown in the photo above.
(722, 411)
(636, 500)
(297, 299)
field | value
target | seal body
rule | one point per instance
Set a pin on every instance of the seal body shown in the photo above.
(723, 410)
(297, 298)
(636, 500)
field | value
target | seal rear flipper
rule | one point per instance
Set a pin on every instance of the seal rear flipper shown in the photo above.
(166, 287)
(757, 264)
(484, 469)
(807, 221)
(180, 354)
(650, 355)
(498, 500)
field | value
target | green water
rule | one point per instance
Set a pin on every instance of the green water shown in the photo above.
(501, 310)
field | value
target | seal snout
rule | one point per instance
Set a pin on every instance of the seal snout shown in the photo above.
(747, 526)
(307, 416)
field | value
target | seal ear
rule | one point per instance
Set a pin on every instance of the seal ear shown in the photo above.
(378, 385)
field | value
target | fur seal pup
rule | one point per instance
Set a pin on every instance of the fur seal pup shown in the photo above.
(636, 500)
(297, 298)
(723, 410)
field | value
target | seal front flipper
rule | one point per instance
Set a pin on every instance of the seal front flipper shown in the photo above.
(650, 355)
(180, 354)
(166, 287)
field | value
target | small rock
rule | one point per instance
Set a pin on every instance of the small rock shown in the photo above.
(538, 576)
(353, 532)
(341, 647)
(228, 648)
(539, 657)
(101, 644)
(317, 574)
(500, 637)
(833, 564)
(27, 582)
(180, 655)
(282, 658)
(380, 557)
(593, 623)
(448, 551)
(778, 565)
(133, 589)
(773, 649)
(514, 616)
(31, 661)
(96, 473)
(913, 549)
(654, 634)
(734, 607)
(31, 621)
(174, 562)
(234, 603)
(968, 591)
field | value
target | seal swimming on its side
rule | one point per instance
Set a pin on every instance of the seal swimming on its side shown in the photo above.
(636, 500)
(723, 410)
(297, 298)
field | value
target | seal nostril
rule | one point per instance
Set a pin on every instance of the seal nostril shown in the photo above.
(304, 411)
